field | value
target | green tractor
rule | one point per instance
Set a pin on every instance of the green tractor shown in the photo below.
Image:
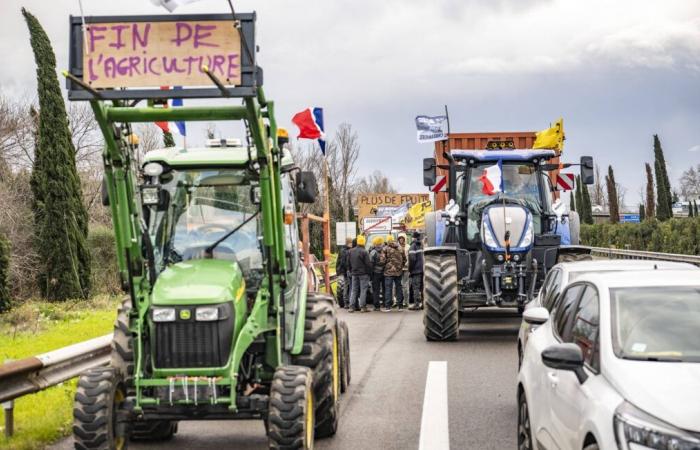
(218, 323)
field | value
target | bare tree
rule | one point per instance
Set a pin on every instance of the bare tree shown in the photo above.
(17, 129)
(690, 183)
(342, 155)
(375, 182)
(598, 191)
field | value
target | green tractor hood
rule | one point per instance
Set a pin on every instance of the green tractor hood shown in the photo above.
(199, 282)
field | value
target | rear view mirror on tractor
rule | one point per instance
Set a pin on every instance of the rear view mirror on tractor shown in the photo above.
(307, 188)
(587, 170)
(429, 176)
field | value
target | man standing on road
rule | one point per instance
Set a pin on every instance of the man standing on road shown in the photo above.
(342, 268)
(375, 256)
(415, 268)
(405, 276)
(360, 268)
(394, 260)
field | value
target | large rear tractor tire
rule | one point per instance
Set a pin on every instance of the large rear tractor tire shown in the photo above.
(321, 353)
(122, 359)
(290, 420)
(100, 396)
(440, 297)
(344, 338)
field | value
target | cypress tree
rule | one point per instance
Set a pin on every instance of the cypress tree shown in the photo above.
(572, 202)
(4, 274)
(168, 139)
(663, 211)
(642, 213)
(613, 207)
(650, 209)
(60, 217)
(663, 192)
(587, 208)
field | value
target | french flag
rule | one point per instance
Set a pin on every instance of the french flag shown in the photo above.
(180, 126)
(310, 124)
(492, 179)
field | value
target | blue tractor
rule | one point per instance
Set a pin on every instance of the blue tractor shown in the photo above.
(492, 245)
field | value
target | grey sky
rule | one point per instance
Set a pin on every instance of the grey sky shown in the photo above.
(616, 71)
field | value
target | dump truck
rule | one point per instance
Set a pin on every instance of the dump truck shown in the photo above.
(492, 246)
(219, 322)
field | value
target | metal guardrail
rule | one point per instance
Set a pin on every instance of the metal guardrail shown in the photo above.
(36, 373)
(615, 253)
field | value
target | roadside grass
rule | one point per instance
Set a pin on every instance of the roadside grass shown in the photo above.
(37, 327)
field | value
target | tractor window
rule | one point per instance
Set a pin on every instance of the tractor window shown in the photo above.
(205, 205)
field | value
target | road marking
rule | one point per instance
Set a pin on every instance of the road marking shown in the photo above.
(434, 427)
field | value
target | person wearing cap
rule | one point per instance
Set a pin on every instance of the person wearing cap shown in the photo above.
(360, 269)
(342, 269)
(405, 276)
(375, 256)
(415, 268)
(394, 260)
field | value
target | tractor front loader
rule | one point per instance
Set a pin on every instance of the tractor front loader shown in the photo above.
(218, 322)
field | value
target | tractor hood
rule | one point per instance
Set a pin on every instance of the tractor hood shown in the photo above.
(514, 219)
(198, 282)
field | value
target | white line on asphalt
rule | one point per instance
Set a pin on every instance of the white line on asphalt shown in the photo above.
(434, 427)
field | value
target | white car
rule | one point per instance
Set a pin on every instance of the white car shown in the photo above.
(562, 274)
(615, 366)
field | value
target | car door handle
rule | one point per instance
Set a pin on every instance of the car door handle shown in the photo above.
(553, 379)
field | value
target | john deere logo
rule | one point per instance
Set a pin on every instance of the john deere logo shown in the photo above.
(185, 314)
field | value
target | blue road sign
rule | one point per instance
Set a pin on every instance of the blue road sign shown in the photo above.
(629, 218)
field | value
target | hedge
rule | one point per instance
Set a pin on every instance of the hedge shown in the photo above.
(681, 235)
(105, 278)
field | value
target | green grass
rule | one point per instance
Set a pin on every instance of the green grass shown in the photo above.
(38, 327)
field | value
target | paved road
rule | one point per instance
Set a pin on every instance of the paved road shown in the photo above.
(383, 408)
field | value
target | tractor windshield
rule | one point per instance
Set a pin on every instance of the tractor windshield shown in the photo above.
(204, 206)
(521, 185)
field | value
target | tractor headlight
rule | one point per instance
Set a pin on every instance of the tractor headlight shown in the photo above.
(516, 257)
(499, 258)
(207, 314)
(150, 195)
(489, 239)
(636, 429)
(529, 234)
(163, 314)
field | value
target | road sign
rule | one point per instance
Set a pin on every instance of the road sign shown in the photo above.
(344, 230)
(440, 184)
(565, 182)
(377, 224)
(629, 218)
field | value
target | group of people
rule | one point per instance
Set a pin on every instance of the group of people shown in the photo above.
(389, 274)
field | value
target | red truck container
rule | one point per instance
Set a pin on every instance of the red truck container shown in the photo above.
(480, 141)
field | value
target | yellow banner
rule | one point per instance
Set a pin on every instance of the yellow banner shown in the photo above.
(552, 138)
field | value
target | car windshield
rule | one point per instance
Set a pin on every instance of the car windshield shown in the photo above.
(204, 206)
(656, 323)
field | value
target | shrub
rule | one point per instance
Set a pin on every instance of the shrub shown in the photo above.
(105, 276)
(679, 235)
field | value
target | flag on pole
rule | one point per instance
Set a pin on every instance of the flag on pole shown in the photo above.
(171, 5)
(310, 124)
(552, 137)
(167, 127)
(178, 102)
(492, 179)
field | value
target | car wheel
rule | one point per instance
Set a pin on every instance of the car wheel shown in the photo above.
(524, 431)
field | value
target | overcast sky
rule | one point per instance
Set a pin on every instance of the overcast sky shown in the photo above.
(618, 72)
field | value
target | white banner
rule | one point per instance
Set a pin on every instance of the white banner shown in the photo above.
(431, 129)
(344, 230)
(377, 224)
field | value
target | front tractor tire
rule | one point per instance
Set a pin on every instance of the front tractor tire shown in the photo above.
(99, 400)
(321, 353)
(291, 418)
(440, 297)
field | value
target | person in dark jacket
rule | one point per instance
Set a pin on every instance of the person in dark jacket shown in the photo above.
(342, 269)
(360, 268)
(375, 257)
(415, 268)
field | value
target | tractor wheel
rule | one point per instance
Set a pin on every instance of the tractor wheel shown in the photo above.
(574, 257)
(100, 396)
(344, 340)
(440, 298)
(290, 419)
(321, 353)
(123, 361)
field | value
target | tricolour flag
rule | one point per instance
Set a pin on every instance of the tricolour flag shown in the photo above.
(310, 124)
(166, 126)
(492, 179)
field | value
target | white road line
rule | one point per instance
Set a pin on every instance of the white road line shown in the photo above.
(434, 426)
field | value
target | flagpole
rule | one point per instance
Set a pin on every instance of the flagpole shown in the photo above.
(447, 115)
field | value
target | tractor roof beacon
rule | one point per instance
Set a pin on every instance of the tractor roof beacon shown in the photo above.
(218, 323)
(494, 250)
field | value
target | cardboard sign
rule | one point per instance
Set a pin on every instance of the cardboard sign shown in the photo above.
(369, 204)
(148, 54)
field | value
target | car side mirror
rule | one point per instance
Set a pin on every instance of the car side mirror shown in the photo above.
(536, 316)
(565, 357)
(429, 174)
(307, 188)
(587, 170)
